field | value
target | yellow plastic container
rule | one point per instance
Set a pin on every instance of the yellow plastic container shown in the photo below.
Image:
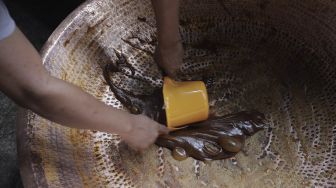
(185, 102)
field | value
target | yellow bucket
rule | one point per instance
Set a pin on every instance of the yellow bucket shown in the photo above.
(185, 102)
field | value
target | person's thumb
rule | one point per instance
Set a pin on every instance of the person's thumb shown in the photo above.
(163, 130)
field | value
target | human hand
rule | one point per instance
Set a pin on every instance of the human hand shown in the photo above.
(169, 52)
(143, 132)
(169, 58)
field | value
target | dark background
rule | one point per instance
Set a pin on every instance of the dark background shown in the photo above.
(37, 19)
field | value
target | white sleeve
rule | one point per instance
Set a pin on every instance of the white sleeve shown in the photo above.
(7, 24)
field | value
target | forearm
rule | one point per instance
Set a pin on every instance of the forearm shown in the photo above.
(167, 18)
(24, 79)
(69, 105)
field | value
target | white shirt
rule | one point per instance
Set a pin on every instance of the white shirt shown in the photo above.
(7, 24)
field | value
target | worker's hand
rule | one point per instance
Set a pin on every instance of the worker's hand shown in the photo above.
(169, 52)
(169, 58)
(143, 132)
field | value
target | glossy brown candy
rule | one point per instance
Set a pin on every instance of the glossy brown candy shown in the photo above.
(230, 144)
(217, 138)
(179, 154)
(213, 139)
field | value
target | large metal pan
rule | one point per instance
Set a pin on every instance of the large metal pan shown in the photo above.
(274, 56)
